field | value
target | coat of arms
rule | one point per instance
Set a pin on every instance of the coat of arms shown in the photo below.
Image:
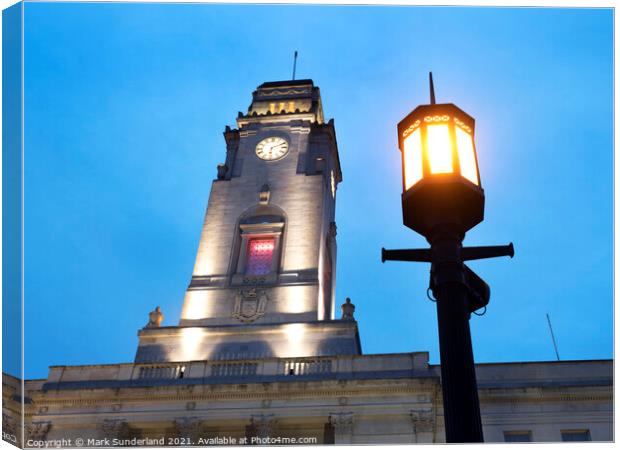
(250, 304)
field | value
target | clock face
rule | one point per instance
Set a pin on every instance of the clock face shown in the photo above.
(272, 148)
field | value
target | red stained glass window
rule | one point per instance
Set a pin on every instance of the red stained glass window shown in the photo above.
(260, 256)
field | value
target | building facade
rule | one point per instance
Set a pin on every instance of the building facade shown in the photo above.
(263, 352)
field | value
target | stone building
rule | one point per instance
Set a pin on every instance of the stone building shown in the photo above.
(263, 353)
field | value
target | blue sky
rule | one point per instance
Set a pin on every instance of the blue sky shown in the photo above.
(125, 105)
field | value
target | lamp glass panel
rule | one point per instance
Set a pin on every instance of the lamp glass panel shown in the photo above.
(413, 159)
(439, 148)
(467, 156)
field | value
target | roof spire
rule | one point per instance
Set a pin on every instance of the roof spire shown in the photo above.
(294, 64)
(431, 86)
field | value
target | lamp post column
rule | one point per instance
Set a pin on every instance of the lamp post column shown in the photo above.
(458, 376)
(442, 199)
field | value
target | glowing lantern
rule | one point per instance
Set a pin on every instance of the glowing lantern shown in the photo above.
(441, 183)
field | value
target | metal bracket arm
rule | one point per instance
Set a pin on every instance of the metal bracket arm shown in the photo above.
(467, 253)
(412, 254)
(492, 251)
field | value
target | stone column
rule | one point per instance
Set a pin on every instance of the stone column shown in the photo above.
(343, 427)
(264, 424)
(423, 421)
(188, 427)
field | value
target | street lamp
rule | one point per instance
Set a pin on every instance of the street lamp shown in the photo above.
(442, 199)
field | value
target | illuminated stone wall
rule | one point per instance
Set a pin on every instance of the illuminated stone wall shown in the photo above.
(299, 188)
(303, 339)
(370, 399)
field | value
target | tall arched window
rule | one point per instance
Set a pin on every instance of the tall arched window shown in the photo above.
(260, 246)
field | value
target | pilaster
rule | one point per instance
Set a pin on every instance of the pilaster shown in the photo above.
(114, 428)
(188, 427)
(264, 424)
(343, 427)
(423, 422)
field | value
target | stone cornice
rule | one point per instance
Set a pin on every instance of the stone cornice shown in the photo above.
(275, 119)
(525, 398)
(274, 392)
(43, 400)
(257, 328)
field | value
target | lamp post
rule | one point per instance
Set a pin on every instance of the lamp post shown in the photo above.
(442, 199)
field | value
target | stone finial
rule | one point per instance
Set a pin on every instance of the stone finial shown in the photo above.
(264, 194)
(156, 317)
(221, 171)
(348, 309)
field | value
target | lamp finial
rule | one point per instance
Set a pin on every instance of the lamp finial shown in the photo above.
(432, 87)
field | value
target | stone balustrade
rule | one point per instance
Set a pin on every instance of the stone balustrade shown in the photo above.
(357, 366)
(307, 366)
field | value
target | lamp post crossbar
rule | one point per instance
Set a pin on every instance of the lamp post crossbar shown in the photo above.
(467, 253)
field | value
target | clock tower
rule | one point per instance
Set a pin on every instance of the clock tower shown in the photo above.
(263, 283)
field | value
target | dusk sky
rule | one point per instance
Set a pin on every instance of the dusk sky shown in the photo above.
(125, 105)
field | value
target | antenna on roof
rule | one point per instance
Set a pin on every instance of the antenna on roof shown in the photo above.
(555, 346)
(294, 64)
(432, 87)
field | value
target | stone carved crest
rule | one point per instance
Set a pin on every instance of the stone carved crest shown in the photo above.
(250, 304)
